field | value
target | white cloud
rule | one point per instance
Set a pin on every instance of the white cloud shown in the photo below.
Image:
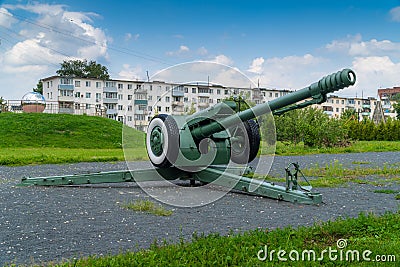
(202, 51)
(129, 36)
(6, 18)
(395, 13)
(54, 35)
(130, 73)
(182, 51)
(222, 59)
(354, 46)
(291, 72)
(257, 65)
(374, 72)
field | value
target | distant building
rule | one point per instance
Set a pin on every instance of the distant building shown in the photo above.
(134, 103)
(386, 95)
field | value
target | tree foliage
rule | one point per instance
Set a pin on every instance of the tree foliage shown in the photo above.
(311, 126)
(83, 69)
(39, 87)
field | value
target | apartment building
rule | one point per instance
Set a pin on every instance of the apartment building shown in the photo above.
(134, 103)
(386, 95)
(336, 105)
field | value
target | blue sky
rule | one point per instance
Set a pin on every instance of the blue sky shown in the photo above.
(281, 44)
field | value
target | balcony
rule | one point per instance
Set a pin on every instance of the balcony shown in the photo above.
(112, 112)
(66, 99)
(66, 110)
(204, 95)
(140, 112)
(203, 104)
(110, 100)
(366, 105)
(110, 89)
(66, 87)
(177, 92)
(140, 102)
(177, 103)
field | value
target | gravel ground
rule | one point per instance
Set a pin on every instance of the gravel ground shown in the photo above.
(44, 224)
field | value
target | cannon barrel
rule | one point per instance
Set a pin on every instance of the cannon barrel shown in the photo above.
(316, 91)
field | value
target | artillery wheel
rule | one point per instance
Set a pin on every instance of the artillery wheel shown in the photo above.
(246, 142)
(162, 141)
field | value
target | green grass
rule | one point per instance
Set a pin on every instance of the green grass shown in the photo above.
(288, 149)
(378, 234)
(62, 138)
(334, 174)
(59, 138)
(147, 206)
(25, 130)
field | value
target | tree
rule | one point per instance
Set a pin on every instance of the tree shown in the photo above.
(3, 106)
(39, 87)
(83, 69)
(396, 106)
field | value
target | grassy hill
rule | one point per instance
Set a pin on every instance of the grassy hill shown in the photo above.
(62, 138)
(63, 131)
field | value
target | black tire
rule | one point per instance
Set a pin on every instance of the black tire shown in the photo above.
(247, 152)
(165, 155)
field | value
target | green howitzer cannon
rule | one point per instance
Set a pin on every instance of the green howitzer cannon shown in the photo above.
(204, 146)
(224, 131)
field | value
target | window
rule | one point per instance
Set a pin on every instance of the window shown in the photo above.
(98, 96)
(142, 107)
(185, 99)
(150, 108)
(167, 99)
(120, 97)
(342, 101)
(98, 84)
(120, 107)
(87, 83)
(77, 94)
(158, 108)
(129, 97)
(226, 92)
(138, 86)
(210, 100)
(270, 94)
(193, 90)
(120, 86)
(129, 108)
(87, 106)
(110, 84)
(276, 94)
(48, 84)
(129, 86)
(218, 91)
(167, 88)
(151, 87)
(186, 89)
(337, 109)
(129, 117)
(77, 83)
(150, 97)
(88, 95)
(66, 81)
(158, 98)
(166, 109)
(337, 101)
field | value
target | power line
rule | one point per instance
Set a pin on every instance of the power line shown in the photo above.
(71, 34)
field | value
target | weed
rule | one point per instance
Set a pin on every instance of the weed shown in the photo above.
(147, 206)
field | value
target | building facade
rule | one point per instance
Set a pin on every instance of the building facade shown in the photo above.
(134, 103)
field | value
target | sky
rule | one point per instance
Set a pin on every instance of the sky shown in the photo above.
(277, 44)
